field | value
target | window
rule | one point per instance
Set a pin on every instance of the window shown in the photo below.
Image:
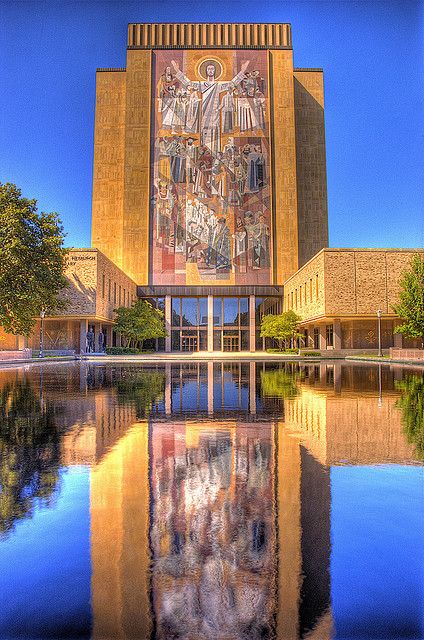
(119, 295)
(114, 292)
(230, 311)
(291, 300)
(300, 296)
(316, 338)
(329, 335)
(189, 313)
(103, 285)
(217, 312)
(310, 290)
(316, 285)
(305, 293)
(110, 291)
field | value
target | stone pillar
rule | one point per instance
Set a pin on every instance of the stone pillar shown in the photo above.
(337, 334)
(108, 334)
(210, 323)
(22, 343)
(397, 340)
(83, 335)
(322, 337)
(252, 324)
(168, 323)
(97, 329)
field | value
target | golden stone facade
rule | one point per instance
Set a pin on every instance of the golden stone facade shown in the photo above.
(123, 186)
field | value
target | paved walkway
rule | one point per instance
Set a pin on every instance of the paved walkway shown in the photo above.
(215, 356)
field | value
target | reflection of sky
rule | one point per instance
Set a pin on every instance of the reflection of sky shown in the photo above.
(377, 560)
(45, 567)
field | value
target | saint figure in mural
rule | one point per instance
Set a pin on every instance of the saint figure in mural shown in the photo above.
(210, 90)
(228, 108)
(193, 111)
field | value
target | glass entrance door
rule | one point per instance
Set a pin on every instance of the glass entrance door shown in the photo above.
(189, 343)
(230, 343)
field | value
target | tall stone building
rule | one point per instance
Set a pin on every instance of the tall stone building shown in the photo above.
(210, 200)
(209, 185)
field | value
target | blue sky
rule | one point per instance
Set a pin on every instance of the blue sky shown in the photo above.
(371, 52)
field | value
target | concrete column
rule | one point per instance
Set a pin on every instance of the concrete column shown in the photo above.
(337, 333)
(252, 324)
(168, 323)
(397, 340)
(83, 335)
(108, 334)
(97, 327)
(210, 323)
(322, 337)
(22, 343)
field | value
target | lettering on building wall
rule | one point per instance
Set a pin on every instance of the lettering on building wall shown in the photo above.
(211, 211)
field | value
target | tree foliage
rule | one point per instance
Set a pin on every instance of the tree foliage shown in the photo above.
(281, 328)
(411, 306)
(29, 453)
(411, 404)
(139, 323)
(143, 389)
(279, 383)
(32, 261)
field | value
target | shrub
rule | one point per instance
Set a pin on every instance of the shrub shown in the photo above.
(296, 351)
(315, 354)
(121, 351)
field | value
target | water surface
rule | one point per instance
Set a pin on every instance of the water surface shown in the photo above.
(211, 501)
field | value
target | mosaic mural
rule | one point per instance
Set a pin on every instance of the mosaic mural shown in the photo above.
(211, 217)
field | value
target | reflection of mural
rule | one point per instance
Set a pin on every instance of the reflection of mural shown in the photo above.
(211, 211)
(212, 530)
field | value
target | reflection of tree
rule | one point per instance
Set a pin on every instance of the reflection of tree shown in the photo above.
(144, 389)
(279, 383)
(29, 453)
(411, 403)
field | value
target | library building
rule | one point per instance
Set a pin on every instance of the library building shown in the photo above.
(210, 201)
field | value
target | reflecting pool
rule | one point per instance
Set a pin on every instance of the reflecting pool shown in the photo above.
(212, 501)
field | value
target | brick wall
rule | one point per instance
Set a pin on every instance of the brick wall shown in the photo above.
(311, 279)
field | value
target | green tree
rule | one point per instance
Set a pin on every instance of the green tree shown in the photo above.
(32, 261)
(29, 453)
(281, 328)
(279, 383)
(411, 306)
(143, 388)
(139, 323)
(411, 404)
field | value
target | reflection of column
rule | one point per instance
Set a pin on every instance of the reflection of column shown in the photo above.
(337, 377)
(119, 507)
(83, 335)
(252, 387)
(168, 389)
(337, 333)
(210, 323)
(288, 533)
(303, 521)
(210, 387)
(168, 323)
(252, 324)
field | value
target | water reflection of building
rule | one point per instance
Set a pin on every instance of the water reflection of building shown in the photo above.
(227, 513)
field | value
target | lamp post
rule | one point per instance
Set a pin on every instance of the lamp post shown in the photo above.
(42, 316)
(379, 314)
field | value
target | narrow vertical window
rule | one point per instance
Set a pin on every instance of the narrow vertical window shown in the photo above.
(103, 285)
(316, 285)
(114, 293)
(110, 291)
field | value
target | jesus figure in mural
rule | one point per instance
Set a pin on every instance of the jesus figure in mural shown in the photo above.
(210, 90)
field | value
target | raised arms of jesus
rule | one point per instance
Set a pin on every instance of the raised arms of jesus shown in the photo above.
(210, 90)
